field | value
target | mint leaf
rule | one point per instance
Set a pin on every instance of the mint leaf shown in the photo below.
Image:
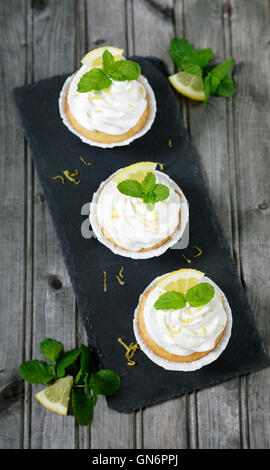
(125, 70)
(170, 300)
(130, 188)
(179, 48)
(51, 349)
(203, 56)
(160, 192)
(200, 294)
(65, 361)
(36, 372)
(105, 382)
(220, 71)
(82, 405)
(226, 87)
(150, 206)
(108, 62)
(85, 365)
(189, 65)
(95, 79)
(148, 183)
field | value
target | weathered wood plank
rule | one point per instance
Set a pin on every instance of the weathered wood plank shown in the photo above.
(106, 25)
(250, 47)
(53, 300)
(204, 27)
(163, 426)
(12, 236)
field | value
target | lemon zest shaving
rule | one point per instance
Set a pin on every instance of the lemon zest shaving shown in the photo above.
(199, 251)
(121, 272)
(199, 308)
(94, 97)
(170, 143)
(59, 177)
(71, 176)
(179, 329)
(161, 166)
(186, 259)
(108, 93)
(131, 106)
(204, 331)
(75, 95)
(172, 332)
(120, 281)
(105, 281)
(85, 162)
(130, 351)
(188, 311)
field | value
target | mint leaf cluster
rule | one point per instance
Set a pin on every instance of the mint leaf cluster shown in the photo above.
(196, 296)
(88, 384)
(101, 78)
(149, 191)
(196, 62)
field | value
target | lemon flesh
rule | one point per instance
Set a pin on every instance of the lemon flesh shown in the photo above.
(94, 58)
(56, 396)
(180, 280)
(137, 171)
(189, 85)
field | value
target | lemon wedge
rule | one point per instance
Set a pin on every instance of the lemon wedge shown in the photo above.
(137, 171)
(56, 396)
(188, 85)
(94, 58)
(180, 280)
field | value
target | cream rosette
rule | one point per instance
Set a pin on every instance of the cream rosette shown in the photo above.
(126, 226)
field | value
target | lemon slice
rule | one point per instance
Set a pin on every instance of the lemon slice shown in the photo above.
(180, 280)
(189, 85)
(137, 171)
(56, 396)
(94, 58)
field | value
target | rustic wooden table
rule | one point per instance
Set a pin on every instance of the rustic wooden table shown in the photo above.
(41, 38)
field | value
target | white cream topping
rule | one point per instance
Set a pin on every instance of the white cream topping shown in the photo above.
(113, 110)
(128, 221)
(187, 330)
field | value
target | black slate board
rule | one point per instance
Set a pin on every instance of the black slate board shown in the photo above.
(109, 315)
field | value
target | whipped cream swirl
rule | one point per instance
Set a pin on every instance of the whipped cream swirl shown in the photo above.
(113, 110)
(130, 224)
(186, 330)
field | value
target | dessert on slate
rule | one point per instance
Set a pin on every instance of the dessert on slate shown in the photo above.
(182, 316)
(139, 212)
(108, 100)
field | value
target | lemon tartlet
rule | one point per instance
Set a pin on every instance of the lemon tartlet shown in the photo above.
(127, 225)
(183, 317)
(114, 113)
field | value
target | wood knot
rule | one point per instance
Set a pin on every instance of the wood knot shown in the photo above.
(99, 41)
(227, 8)
(41, 197)
(39, 5)
(263, 206)
(55, 283)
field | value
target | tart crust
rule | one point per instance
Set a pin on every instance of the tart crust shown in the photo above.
(158, 349)
(107, 235)
(102, 137)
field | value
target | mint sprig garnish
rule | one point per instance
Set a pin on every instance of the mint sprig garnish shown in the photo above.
(99, 79)
(196, 296)
(196, 62)
(87, 384)
(149, 191)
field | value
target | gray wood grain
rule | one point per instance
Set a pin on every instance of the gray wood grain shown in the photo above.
(12, 228)
(251, 111)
